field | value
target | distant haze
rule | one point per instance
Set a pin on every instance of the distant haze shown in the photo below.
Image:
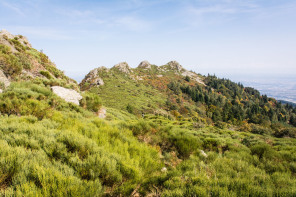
(226, 37)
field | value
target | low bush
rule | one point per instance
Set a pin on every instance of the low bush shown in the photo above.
(46, 74)
(91, 102)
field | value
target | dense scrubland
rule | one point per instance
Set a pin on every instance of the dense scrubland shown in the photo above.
(164, 135)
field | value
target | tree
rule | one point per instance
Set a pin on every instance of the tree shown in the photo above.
(187, 78)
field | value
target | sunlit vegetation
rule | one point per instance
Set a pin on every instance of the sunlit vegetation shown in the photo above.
(17, 64)
(61, 149)
(164, 135)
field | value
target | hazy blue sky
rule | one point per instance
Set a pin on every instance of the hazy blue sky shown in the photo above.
(225, 37)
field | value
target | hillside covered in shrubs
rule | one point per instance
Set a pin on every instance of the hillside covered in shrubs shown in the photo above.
(167, 132)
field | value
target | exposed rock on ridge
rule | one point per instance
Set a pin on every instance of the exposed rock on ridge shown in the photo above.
(145, 65)
(123, 67)
(5, 36)
(93, 78)
(175, 65)
(192, 76)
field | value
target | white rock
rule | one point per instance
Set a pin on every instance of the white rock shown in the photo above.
(1, 91)
(164, 169)
(67, 94)
(203, 153)
(193, 76)
(102, 113)
(4, 79)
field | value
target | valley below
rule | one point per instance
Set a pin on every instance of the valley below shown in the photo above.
(278, 87)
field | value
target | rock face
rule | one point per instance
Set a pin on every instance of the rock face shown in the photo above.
(93, 78)
(145, 65)
(67, 94)
(5, 36)
(192, 76)
(175, 65)
(4, 79)
(123, 67)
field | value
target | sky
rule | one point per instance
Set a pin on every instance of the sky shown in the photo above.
(229, 38)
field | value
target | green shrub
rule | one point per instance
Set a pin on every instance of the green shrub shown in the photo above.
(43, 58)
(4, 49)
(187, 78)
(10, 64)
(2, 86)
(25, 61)
(17, 44)
(53, 70)
(256, 129)
(91, 102)
(264, 151)
(130, 108)
(46, 74)
(185, 143)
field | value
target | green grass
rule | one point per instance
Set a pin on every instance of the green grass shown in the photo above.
(52, 148)
(119, 91)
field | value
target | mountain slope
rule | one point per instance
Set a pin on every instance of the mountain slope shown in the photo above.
(168, 132)
(172, 90)
(19, 61)
(142, 90)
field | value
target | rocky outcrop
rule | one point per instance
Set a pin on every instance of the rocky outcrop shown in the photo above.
(67, 94)
(193, 76)
(30, 65)
(123, 67)
(175, 66)
(145, 65)
(5, 38)
(4, 79)
(93, 78)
